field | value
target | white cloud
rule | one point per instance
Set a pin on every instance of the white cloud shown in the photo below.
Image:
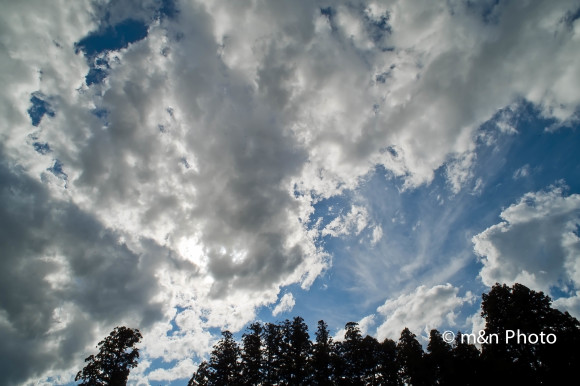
(183, 369)
(522, 172)
(459, 170)
(420, 311)
(477, 322)
(377, 234)
(286, 304)
(353, 223)
(536, 244)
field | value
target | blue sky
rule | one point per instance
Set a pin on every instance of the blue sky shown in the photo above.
(185, 167)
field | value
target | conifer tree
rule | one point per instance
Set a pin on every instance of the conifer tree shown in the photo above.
(298, 354)
(350, 351)
(224, 361)
(410, 359)
(439, 359)
(273, 353)
(369, 361)
(466, 363)
(388, 364)
(252, 355)
(321, 356)
(202, 376)
(117, 356)
(522, 311)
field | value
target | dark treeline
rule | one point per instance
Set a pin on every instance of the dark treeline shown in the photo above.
(544, 350)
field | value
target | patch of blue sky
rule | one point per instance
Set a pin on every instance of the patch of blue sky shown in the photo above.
(168, 9)
(57, 170)
(563, 289)
(95, 76)
(328, 12)
(40, 107)
(112, 38)
(531, 160)
(42, 148)
(487, 9)
(174, 327)
(103, 115)
(327, 209)
(109, 38)
(311, 305)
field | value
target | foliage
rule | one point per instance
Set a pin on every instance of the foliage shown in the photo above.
(117, 356)
(282, 354)
(252, 355)
(528, 312)
(321, 355)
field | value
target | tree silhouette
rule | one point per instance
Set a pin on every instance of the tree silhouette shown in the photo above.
(410, 358)
(117, 356)
(370, 350)
(252, 355)
(519, 310)
(224, 361)
(388, 365)
(321, 355)
(273, 353)
(282, 354)
(201, 376)
(297, 352)
(348, 359)
(466, 363)
(439, 359)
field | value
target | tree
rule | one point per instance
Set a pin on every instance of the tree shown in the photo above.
(526, 313)
(370, 350)
(410, 358)
(252, 355)
(202, 376)
(224, 361)
(117, 356)
(351, 371)
(439, 359)
(297, 351)
(466, 363)
(387, 362)
(273, 353)
(321, 355)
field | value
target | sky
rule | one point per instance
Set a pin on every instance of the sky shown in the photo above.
(189, 166)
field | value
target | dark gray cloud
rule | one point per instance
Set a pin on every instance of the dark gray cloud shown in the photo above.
(63, 278)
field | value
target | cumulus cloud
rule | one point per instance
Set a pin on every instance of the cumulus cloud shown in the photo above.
(536, 244)
(286, 304)
(421, 310)
(185, 177)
